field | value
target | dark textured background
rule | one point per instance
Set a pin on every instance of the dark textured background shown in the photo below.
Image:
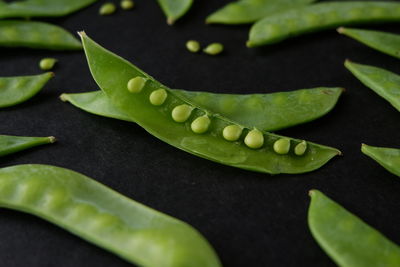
(251, 219)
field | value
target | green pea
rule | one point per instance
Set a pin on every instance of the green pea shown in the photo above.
(282, 146)
(201, 124)
(300, 148)
(181, 113)
(158, 97)
(193, 46)
(47, 63)
(107, 9)
(232, 132)
(127, 4)
(135, 85)
(214, 49)
(254, 139)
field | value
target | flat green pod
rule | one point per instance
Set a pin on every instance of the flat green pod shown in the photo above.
(174, 9)
(11, 144)
(348, 240)
(388, 158)
(39, 35)
(103, 217)
(320, 16)
(15, 90)
(383, 82)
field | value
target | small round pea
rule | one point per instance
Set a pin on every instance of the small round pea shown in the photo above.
(282, 146)
(107, 9)
(193, 46)
(47, 63)
(135, 85)
(254, 139)
(201, 124)
(158, 97)
(300, 148)
(232, 132)
(181, 113)
(127, 4)
(214, 49)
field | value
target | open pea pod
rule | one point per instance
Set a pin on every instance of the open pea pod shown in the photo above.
(348, 240)
(104, 217)
(11, 144)
(388, 158)
(179, 122)
(174, 9)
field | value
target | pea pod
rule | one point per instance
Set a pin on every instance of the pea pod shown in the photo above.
(348, 240)
(33, 34)
(104, 217)
(248, 11)
(383, 82)
(389, 158)
(384, 42)
(15, 90)
(12, 144)
(172, 121)
(320, 16)
(174, 9)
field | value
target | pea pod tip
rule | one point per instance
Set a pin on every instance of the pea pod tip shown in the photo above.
(249, 44)
(52, 139)
(82, 34)
(341, 30)
(63, 97)
(170, 21)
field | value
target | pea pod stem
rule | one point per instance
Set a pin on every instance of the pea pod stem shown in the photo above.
(11, 144)
(174, 9)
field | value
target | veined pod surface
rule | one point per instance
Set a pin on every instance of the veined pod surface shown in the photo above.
(348, 240)
(174, 9)
(381, 81)
(15, 90)
(11, 144)
(320, 16)
(33, 34)
(388, 158)
(210, 145)
(104, 217)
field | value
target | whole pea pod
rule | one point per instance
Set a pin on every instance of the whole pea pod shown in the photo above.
(320, 16)
(174, 9)
(389, 158)
(179, 122)
(348, 240)
(11, 144)
(104, 217)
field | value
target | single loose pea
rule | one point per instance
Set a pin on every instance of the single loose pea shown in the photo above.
(201, 124)
(232, 132)
(181, 113)
(135, 85)
(193, 46)
(47, 63)
(282, 146)
(127, 4)
(254, 139)
(214, 49)
(300, 149)
(158, 97)
(107, 9)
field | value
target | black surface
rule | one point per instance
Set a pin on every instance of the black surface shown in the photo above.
(251, 219)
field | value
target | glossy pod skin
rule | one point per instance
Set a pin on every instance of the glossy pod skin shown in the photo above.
(211, 145)
(12, 144)
(389, 158)
(174, 9)
(348, 240)
(381, 81)
(249, 11)
(15, 90)
(39, 35)
(104, 217)
(320, 16)
(388, 43)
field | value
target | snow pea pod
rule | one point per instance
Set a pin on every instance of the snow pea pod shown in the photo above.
(174, 9)
(389, 158)
(321, 16)
(33, 34)
(15, 90)
(248, 11)
(172, 121)
(12, 144)
(384, 42)
(104, 217)
(348, 240)
(381, 81)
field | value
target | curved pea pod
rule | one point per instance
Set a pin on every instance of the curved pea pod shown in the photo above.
(388, 158)
(174, 9)
(12, 144)
(33, 34)
(348, 240)
(248, 11)
(381, 81)
(388, 43)
(104, 217)
(15, 90)
(176, 121)
(321, 16)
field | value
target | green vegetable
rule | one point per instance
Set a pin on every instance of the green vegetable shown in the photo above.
(15, 90)
(47, 63)
(98, 214)
(33, 34)
(300, 149)
(127, 4)
(12, 144)
(282, 146)
(214, 49)
(193, 46)
(135, 85)
(384, 42)
(232, 132)
(107, 9)
(248, 11)
(321, 16)
(181, 113)
(158, 97)
(383, 82)
(174, 9)
(201, 124)
(254, 139)
(389, 158)
(349, 241)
